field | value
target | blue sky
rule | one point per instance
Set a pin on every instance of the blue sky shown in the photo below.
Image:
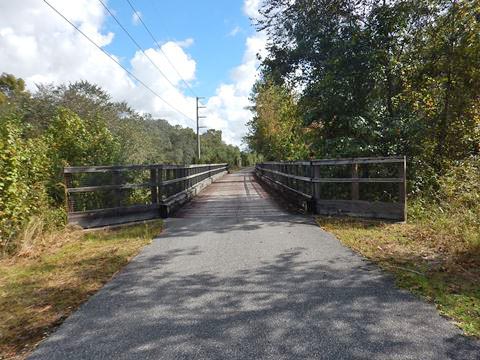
(209, 23)
(212, 44)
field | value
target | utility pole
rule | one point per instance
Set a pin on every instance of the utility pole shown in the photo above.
(198, 126)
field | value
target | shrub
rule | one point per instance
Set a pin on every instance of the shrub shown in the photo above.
(23, 171)
(455, 207)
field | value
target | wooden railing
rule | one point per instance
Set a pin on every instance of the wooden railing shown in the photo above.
(106, 195)
(363, 187)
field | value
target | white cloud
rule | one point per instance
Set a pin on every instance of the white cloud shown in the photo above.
(185, 43)
(136, 16)
(250, 8)
(237, 29)
(39, 46)
(227, 110)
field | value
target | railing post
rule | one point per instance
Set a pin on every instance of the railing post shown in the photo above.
(154, 185)
(117, 193)
(178, 175)
(159, 183)
(69, 202)
(316, 185)
(170, 176)
(355, 189)
(402, 187)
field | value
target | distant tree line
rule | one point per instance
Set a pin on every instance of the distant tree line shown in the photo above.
(79, 124)
(370, 78)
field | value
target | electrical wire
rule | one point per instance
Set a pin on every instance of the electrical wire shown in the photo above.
(117, 62)
(136, 43)
(158, 45)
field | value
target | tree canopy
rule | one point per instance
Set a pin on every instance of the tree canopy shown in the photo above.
(368, 78)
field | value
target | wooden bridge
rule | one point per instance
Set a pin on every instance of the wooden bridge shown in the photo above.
(234, 275)
(106, 195)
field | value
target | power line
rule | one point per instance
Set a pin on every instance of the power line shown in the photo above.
(158, 45)
(198, 125)
(117, 62)
(136, 43)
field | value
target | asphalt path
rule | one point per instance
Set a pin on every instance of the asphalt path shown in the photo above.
(234, 276)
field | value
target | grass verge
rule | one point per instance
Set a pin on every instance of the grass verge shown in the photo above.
(435, 265)
(38, 292)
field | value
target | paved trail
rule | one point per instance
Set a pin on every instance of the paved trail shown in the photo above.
(236, 277)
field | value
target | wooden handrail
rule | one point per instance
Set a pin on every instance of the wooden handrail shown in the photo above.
(305, 178)
(166, 183)
(111, 168)
(341, 161)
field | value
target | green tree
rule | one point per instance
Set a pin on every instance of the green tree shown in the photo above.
(378, 77)
(276, 129)
(24, 168)
(11, 88)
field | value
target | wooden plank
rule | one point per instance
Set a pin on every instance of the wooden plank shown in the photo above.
(287, 187)
(117, 193)
(297, 177)
(108, 187)
(113, 216)
(176, 180)
(160, 176)
(334, 180)
(289, 171)
(122, 214)
(355, 182)
(105, 169)
(287, 162)
(154, 185)
(342, 161)
(402, 187)
(316, 186)
(360, 208)
(361, 160)
(358, 180)
(173, 167)
(135, 186)
(302, 200)
(113, 210)
(168, 166)
(69, 200)
(110, 168)
(212, 165)
(174, 201)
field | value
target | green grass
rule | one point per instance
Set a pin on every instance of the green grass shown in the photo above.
(38, 292)
(438, 266)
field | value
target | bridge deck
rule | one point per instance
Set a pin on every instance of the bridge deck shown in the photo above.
(235, 277)
(235, 195)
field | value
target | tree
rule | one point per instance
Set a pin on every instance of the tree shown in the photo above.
(11, 88)
(276, 129)
(377, 78)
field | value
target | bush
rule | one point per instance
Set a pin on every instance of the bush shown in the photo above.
(23, 172)
(460, 187)
(455, 208)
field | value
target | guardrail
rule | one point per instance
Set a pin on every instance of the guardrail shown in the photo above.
(332, 186)
(107, 195)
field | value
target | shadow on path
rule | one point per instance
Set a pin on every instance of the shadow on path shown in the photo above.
(242, 287)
